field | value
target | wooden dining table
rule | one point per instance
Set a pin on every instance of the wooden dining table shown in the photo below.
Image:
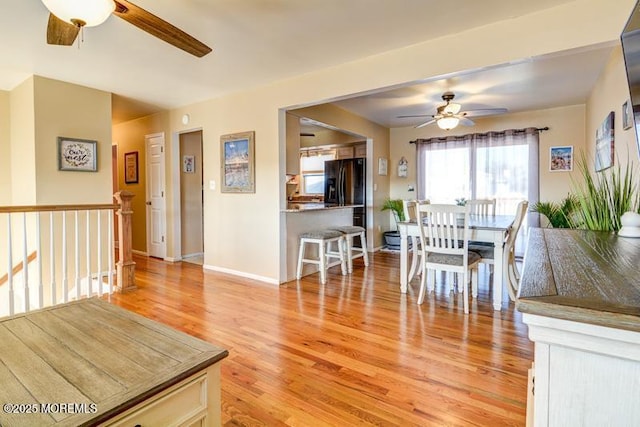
(483, 228)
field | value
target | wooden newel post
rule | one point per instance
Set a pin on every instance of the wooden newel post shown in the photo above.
(125, 266)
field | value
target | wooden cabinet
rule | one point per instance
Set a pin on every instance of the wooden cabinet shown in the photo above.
(344, 152)
(579, 299)
(115, 367)
(185, 404)
(360, 150)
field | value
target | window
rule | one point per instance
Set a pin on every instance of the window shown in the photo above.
(312, 170)
(500, 165)
(494, 165)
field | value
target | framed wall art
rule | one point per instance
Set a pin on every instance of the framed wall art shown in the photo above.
(605, 143)
(131, 167)
(188, 164)
(382, 166)
(561, 159)
(627, 115)
(237, 153)
(77, 154)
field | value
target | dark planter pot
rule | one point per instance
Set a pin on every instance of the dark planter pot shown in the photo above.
(392, 240)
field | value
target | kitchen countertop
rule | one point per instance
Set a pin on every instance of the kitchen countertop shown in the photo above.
(307, 207)
(582, 276)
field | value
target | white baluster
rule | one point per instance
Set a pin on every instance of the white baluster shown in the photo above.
(25, 263)
(52, 258)
(77, 253)
(65, 260)
(89, 281)
(111, 250)
(39, 256)
(10, 264)
(100, 252)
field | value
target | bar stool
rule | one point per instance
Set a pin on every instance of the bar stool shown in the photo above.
(349, 232)
(324, 239)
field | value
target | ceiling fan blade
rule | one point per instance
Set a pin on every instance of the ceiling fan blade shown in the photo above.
(160, 28)
(428, 122)
(60, 32)
(417, 115)
(466, 122)
(484, 112)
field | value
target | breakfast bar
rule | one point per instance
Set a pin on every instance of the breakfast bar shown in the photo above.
(304, 217)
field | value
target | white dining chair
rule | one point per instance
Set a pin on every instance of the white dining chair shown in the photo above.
(510, 270)
(444, 246)
(482, 206)
(409, 208)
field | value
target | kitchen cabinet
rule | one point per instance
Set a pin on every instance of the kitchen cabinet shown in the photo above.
(344, 152)
(360, 150)
(293, 145)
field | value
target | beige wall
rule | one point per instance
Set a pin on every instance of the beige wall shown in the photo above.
(23, 178)
(243, 231)
(328, 137)
(609, 93)
(64, 109)
(129, 137)
(566, 127)
(5, 149)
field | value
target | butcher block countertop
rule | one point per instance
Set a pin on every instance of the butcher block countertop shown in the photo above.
(583, 276)
(89, 360)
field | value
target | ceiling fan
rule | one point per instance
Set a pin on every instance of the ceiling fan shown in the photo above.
(448, 116)
(68, 17)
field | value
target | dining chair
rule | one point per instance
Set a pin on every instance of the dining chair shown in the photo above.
(409, 208)
(482, 206)
(510, 270)
(444, 246)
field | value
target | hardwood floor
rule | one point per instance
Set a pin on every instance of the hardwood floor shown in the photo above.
(353, 352)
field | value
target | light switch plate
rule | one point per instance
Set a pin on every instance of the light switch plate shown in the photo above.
(212, 185)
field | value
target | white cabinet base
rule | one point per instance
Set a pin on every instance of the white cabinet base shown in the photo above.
(585, 375)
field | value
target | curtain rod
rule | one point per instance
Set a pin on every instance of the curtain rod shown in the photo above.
(485, 133)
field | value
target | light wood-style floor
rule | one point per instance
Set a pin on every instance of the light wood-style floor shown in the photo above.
(353, 352)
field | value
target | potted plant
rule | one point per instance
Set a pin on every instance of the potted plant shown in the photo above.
(392, 238)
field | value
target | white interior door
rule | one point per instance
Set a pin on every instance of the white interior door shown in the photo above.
(156, 206)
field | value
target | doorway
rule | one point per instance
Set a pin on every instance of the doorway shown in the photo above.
(191, 198)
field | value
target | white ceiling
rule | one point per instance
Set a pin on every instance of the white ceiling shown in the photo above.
(259, 41)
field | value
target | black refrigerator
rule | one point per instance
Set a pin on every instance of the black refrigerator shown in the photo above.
(345, 184)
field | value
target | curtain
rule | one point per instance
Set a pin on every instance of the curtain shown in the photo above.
(493, 165)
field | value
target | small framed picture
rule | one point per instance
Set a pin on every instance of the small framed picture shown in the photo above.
(561, 159)
(131, 167)
(382, 166)
(188, 164)
(627, 115)
(77, 154)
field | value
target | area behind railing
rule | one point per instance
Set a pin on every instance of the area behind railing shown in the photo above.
(55, 254)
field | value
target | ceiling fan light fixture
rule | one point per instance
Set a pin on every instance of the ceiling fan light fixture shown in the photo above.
(452, 108)
(448, 123)
(87, 13)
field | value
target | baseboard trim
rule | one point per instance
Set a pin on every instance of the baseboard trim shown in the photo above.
(187, 256)
(137, 252)
(268, 280)
(172, 259)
